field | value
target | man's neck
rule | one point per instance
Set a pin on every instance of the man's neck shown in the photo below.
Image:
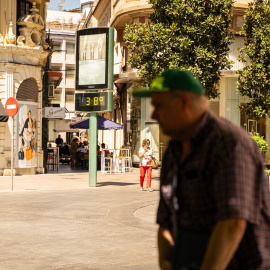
(185, 149)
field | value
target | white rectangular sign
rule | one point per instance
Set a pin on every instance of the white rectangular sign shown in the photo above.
(12, 106)
(54, 112)
(76, 119)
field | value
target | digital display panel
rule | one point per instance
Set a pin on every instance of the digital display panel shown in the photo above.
(93, 101)
(94, 55)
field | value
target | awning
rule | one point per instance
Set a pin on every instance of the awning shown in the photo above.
(66, 128)
(102, 124)
(3, 115)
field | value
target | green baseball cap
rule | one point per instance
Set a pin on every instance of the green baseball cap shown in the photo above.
(171, 79)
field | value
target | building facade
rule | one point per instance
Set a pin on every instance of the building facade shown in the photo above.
(61, 28)
(135, 112)
(23, 56)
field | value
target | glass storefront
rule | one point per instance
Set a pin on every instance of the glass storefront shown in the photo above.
(143, 127)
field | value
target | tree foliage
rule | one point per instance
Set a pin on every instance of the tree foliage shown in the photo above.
(190, 34)
(260, 141)
(254, 78)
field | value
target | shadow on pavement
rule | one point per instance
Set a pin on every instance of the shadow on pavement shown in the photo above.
(115, 184)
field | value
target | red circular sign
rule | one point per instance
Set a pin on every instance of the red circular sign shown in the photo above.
(11, 106)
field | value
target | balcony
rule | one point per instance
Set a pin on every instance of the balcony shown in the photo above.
(125, 11)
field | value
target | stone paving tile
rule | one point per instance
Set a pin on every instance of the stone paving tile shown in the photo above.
(56, 221)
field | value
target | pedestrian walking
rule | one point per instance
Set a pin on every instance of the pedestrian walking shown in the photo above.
(73, 150)
(146, 155)
(214, 209)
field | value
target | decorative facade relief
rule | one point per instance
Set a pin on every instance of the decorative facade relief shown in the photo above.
(10, 37)
(32, 30)
(1, 39)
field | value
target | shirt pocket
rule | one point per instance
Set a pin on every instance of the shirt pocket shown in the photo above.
(197, 200)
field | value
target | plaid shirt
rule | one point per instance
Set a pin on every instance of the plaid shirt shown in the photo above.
(222, 177)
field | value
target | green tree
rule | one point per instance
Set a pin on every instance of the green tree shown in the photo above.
(254, 78)
(260, 141)
(190, 34)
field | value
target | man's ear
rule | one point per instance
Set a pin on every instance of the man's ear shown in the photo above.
(184, 100)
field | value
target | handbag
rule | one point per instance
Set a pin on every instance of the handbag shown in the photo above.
(28, 153)
(21, 154)
(154, 163)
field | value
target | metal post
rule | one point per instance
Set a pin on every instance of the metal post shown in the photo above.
(12, 142)
(93, 150)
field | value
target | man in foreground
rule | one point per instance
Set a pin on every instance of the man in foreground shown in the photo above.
(214, 210)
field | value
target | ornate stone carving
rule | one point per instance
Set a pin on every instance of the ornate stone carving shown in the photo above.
(10, 37)
(32, 29)
(1, 39)
(21, 41)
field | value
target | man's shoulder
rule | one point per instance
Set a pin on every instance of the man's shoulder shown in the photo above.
(229, 135)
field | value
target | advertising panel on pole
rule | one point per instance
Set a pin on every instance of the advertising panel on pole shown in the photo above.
(94, 58)
(26, 135)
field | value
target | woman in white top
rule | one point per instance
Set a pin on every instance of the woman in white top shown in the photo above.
(145, 155)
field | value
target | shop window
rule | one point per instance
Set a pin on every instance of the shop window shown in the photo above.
(57, 47)
(135, 123)
(238, 22)
(70, 73)
(70, 97)
(252, 125)
(70, 48)
(70, 100)
(57, 97)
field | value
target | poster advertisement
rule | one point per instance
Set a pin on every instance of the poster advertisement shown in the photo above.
(92, 59)
(26, 135)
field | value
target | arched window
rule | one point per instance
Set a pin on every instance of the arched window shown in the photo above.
(28, 90)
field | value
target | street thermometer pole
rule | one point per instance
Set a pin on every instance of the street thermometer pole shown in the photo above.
(94, 82)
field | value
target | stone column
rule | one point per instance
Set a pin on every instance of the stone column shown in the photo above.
(9, 80)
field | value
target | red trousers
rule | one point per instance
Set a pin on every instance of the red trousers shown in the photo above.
(143, 170)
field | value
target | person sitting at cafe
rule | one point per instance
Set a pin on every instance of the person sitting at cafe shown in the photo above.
(74, 137)
(81, 148)
(81, 159)
(62, 149)
(98, 150)
(67, 152)
(104, 149)
(85, 140)
(59, 140)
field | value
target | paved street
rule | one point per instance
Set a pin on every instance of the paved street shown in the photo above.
(56, 221)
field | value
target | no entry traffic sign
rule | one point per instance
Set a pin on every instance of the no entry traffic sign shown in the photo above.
(11, 106)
